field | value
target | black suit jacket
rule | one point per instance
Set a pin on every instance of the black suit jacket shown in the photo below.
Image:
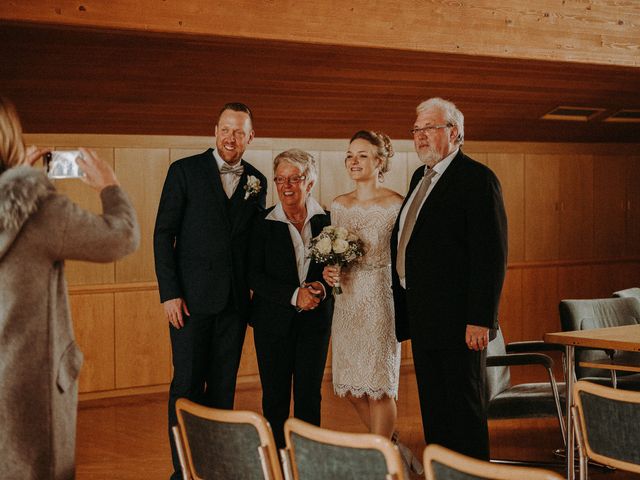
(455, 259)
(273, 277)
(201, 236)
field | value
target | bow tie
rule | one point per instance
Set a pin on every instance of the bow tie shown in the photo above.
(235, 170)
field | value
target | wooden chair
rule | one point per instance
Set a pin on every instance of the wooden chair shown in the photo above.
(315, 453)
(226, 443)
(182, 456)
(443, 464)
(607, 424)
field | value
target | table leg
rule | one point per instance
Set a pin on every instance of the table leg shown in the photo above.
(569, 358)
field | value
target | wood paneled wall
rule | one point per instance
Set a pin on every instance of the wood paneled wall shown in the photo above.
(602, 31)
(574, 232)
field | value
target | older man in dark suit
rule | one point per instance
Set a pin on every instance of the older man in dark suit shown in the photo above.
(201, 238)
(449, 250)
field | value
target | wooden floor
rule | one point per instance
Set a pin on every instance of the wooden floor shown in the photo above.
(126, 438)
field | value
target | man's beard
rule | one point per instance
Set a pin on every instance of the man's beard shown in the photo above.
(430, 156)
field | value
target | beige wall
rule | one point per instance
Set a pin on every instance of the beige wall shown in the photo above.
(574, 231)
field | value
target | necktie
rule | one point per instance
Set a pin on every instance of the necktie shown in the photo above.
(230, 176)
(410, 220)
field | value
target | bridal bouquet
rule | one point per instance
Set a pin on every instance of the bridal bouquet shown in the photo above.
(335, 246)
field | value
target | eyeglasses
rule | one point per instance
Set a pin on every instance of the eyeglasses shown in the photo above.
(293, 179)
(428, 130)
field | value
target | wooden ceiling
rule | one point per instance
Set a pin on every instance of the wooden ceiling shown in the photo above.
(71, 80)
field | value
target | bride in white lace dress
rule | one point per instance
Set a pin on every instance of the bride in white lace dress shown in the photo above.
(365, 353)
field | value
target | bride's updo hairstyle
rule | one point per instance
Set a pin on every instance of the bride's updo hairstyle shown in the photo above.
(381, 143)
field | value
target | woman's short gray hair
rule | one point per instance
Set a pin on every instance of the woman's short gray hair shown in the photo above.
(301, 159)
(452, 115)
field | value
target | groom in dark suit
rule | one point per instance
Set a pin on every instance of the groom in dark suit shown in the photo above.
(449, 252)
(201, 238)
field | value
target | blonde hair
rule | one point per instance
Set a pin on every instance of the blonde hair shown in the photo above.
(11, 143)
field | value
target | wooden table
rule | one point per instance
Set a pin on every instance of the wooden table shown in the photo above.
(625, 338)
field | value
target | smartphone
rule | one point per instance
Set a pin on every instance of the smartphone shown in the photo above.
(63, 164)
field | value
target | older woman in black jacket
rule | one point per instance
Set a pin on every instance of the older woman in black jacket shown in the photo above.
(292, 307)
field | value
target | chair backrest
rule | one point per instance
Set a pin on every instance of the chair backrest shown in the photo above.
(227, 444)
(498, 378)
(633, 292)
(443, 464)
(609, 424)
(598, 313)
(317, 453)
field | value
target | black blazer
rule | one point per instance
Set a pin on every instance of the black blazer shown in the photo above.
(201, 236)
(273, 277)
(455, 259)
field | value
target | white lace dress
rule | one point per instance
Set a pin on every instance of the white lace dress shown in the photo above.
(365, 353)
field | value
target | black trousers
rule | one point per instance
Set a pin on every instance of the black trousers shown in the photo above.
(296, 357)
(206, 356)
(452, 390)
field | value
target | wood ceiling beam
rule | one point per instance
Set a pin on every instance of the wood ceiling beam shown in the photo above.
(583, 31)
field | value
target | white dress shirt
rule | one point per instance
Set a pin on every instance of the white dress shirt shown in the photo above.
(439, 169)
(300, 241)
(229, 182)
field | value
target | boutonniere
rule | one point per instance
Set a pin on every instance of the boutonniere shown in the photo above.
(252, 187)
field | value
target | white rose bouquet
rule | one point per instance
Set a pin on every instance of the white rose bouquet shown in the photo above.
(335, 246)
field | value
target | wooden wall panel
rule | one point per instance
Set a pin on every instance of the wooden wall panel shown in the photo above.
(576, 207)
(481, 157)
(509, 168)
(83, 273)
(334, 179)
(576, 282)
(143, 351)
(541, 208)
(539, 302)
(93, 322)
(633, 206)
(510, 312)
(610, 277)
(178, 153)
(316, 192)
(120, 324)
(413, 163)
(396, 177)
(141, 173)
(629, 275)
(263, 161)
(609, 201)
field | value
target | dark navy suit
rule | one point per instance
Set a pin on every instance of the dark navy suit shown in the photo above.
(201, 239)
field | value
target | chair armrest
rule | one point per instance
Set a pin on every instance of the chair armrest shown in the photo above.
(533, 346)
(520, 359)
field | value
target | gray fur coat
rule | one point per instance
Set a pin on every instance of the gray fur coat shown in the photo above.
(39, 359)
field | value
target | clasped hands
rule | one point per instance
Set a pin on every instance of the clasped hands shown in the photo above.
(309, 296)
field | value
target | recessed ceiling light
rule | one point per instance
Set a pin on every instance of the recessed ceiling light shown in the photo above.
(575, 114)
(626, 115)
